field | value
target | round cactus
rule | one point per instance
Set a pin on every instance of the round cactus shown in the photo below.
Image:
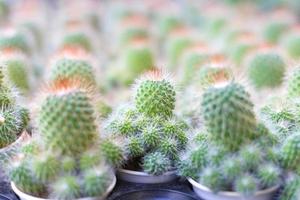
(246, 185)
(293, 82)
(68, 164)
(269, 175)
(210, 75)
(292, 46)
(66, 118)
(212, 178)
(251, 156)
(73, 69)
(155, 97)
(132, 33)
(231, 168)
(198, 157)
(274, 31)
(290, 152)
(169, 146)
(175, 48)
(16, 42)
(77, 39)
(17, 73)
(239, 51)
(150, 135)
(167, 24)
(88, 160)
(228, 114)
(95, 182)
(66, 187)
(291, 190)
(260, 68)
(112, 153)
(134, 147)
(156, 163)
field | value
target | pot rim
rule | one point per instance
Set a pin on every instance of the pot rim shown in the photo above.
(139, 173)
(229, 193)
(22, 137)
(28, 196)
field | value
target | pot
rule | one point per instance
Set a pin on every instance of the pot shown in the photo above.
(142, 177)
(8, 151)
(207, 194)
(24, 196)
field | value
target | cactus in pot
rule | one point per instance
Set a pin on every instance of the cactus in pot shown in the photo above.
(62, 160)
(154, 136)
(228, 150)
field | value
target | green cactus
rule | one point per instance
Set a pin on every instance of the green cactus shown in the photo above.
(16, 41)
(260, 68)
(246, 185)
(274, 31)
(167, 24)
(72, 69)
(169, 146)
(135, 61)
(290, 152)
(66, 120)
(269, 175)
(68, 164)
(210, 75)
(231, 168)
(198, 157)
(156, 163)
(17, 74)
(251, 156)
(291, 190)
(77, 39)
(132, 33)
(238, 52)
(95, 182)
(292, 46)
(175, 48)
(228, 114)
(66, 188)
(293, 83)
(150, 135)
(155, 97)
(113, 154)
(88, 160)
(135, 147)
(212, 178)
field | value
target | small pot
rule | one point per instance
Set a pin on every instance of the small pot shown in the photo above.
(11, 149)
(207, 194)
(24, 196)
(142, 177)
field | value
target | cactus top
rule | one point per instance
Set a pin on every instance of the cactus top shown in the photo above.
(66, 119)
(155, 97)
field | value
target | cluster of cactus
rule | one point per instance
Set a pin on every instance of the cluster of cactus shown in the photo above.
(14, 118)
(153, 135)
(62, 160)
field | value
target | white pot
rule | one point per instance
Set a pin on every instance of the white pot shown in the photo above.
(24, 196)
(207, 194)
(142, 177)
(9, 151)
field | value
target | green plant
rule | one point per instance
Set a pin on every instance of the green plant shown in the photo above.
(290, 152)
(291, 190)
(153, 135)
(274, 31)
(211, 74)
(292, 46)
(246, 185)
(78, 39)
(293, 84)
(260, 68)
(62, 161)
(15, 41)
(175, 48)
(67, 68)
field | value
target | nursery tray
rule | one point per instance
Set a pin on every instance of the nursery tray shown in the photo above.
(155, 195)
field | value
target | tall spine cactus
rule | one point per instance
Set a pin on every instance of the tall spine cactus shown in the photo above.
(228, 114)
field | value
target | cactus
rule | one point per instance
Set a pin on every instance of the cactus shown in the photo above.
(269, 175)
(15, 41)
(130, 34)
(17, 73)
(274, 31)
(291, 190)
(260, 68)
(79, 40)
(228, 114)
(167, 24)
(112, 153)
(293, 83)
(63, 161)
(76, 133)
(210, 75)
(149, 128)
(246, 185)
(290, 152)
(156, 163)
(231, 168)
(155, 97)
(212, 178)
(71, 69)
(175, 48)
(251, 156)
(292, 46)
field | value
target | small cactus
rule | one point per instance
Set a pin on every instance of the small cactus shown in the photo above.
(292, 46)
(231, 168)
(156, 163)
(16, 41)
(291, 190)
(66, 188)
(260, 68)
(175, 48)
(269, 175)
(78, 40)
(246, 185)
(293, 83)
(290, 152)
(212, 178)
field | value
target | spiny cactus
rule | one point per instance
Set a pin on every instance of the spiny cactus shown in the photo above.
(293, 83)
(17, 73)
(291, 190)
(67, 188)
(72, 106)
(175, 48)
(156, 163)
(246, 185)
(231, 168)
(95, 182)
(113, 153)
(77, 39)
(209, 75)
(72, 69)
(228, 114)
(290, 152)
(251, 156)
(167, 24)
(130, 34)
(155, 97)
(212, 178)
(260, 68)
(292, 46)
(152, 134)
(269, 175)
(15, 41)
(274, 31)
